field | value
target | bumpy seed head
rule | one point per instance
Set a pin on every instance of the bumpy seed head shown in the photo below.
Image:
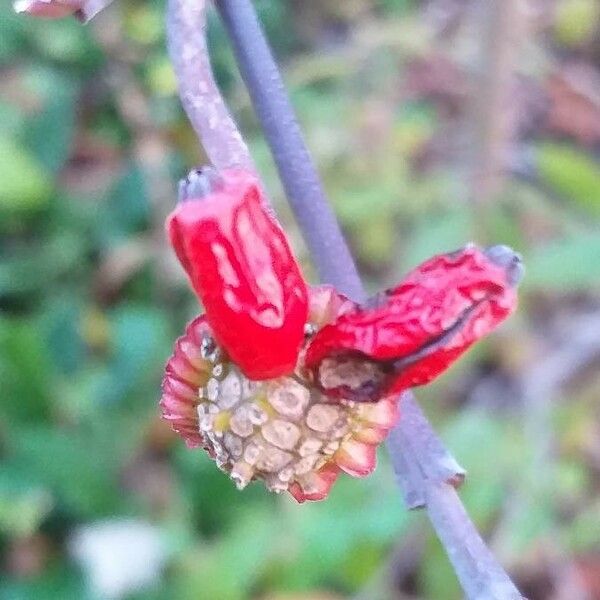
(280, 431)
(277, 431)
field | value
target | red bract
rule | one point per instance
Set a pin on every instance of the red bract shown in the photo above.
(410, 334)
(242, 268)
(48, 9)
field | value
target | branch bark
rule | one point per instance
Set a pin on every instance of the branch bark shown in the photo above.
(199, 93)
(424, 469)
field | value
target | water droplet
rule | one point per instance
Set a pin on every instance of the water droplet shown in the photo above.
(208, 348)
(310, 329)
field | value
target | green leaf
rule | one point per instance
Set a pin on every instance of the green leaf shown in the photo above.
(58, 582)
(79, 466)
(125, 209)
(11, 32)
(572, 174)
(26, 185)
(230, 568)
(376, 239)
(66, 41)
(12, 119)
(566, 264)
(479, 439)
(328, 532)
(33, 268)
(22, 508)
(49, 132)
(576, 21)
(140, 343)
(60, 325)
(25, 372)
(583, 535)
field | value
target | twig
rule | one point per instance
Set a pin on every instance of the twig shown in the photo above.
(479, 573)
(200, 96)
(415, 445)
(423, 467)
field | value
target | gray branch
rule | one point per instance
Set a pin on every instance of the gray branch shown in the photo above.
(200, 95)
(425, 470)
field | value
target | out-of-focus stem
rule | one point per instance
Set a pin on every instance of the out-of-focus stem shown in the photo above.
(499, 27)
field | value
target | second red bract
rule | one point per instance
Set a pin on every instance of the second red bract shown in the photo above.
(407, 336)
(241, 266)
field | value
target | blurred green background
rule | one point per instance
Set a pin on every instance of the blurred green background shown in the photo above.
(97, 497)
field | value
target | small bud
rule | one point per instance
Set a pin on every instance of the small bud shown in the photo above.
(199, 183)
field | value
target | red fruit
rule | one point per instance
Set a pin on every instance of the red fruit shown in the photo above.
(241, 266)
(278, 431)
(408, 335)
